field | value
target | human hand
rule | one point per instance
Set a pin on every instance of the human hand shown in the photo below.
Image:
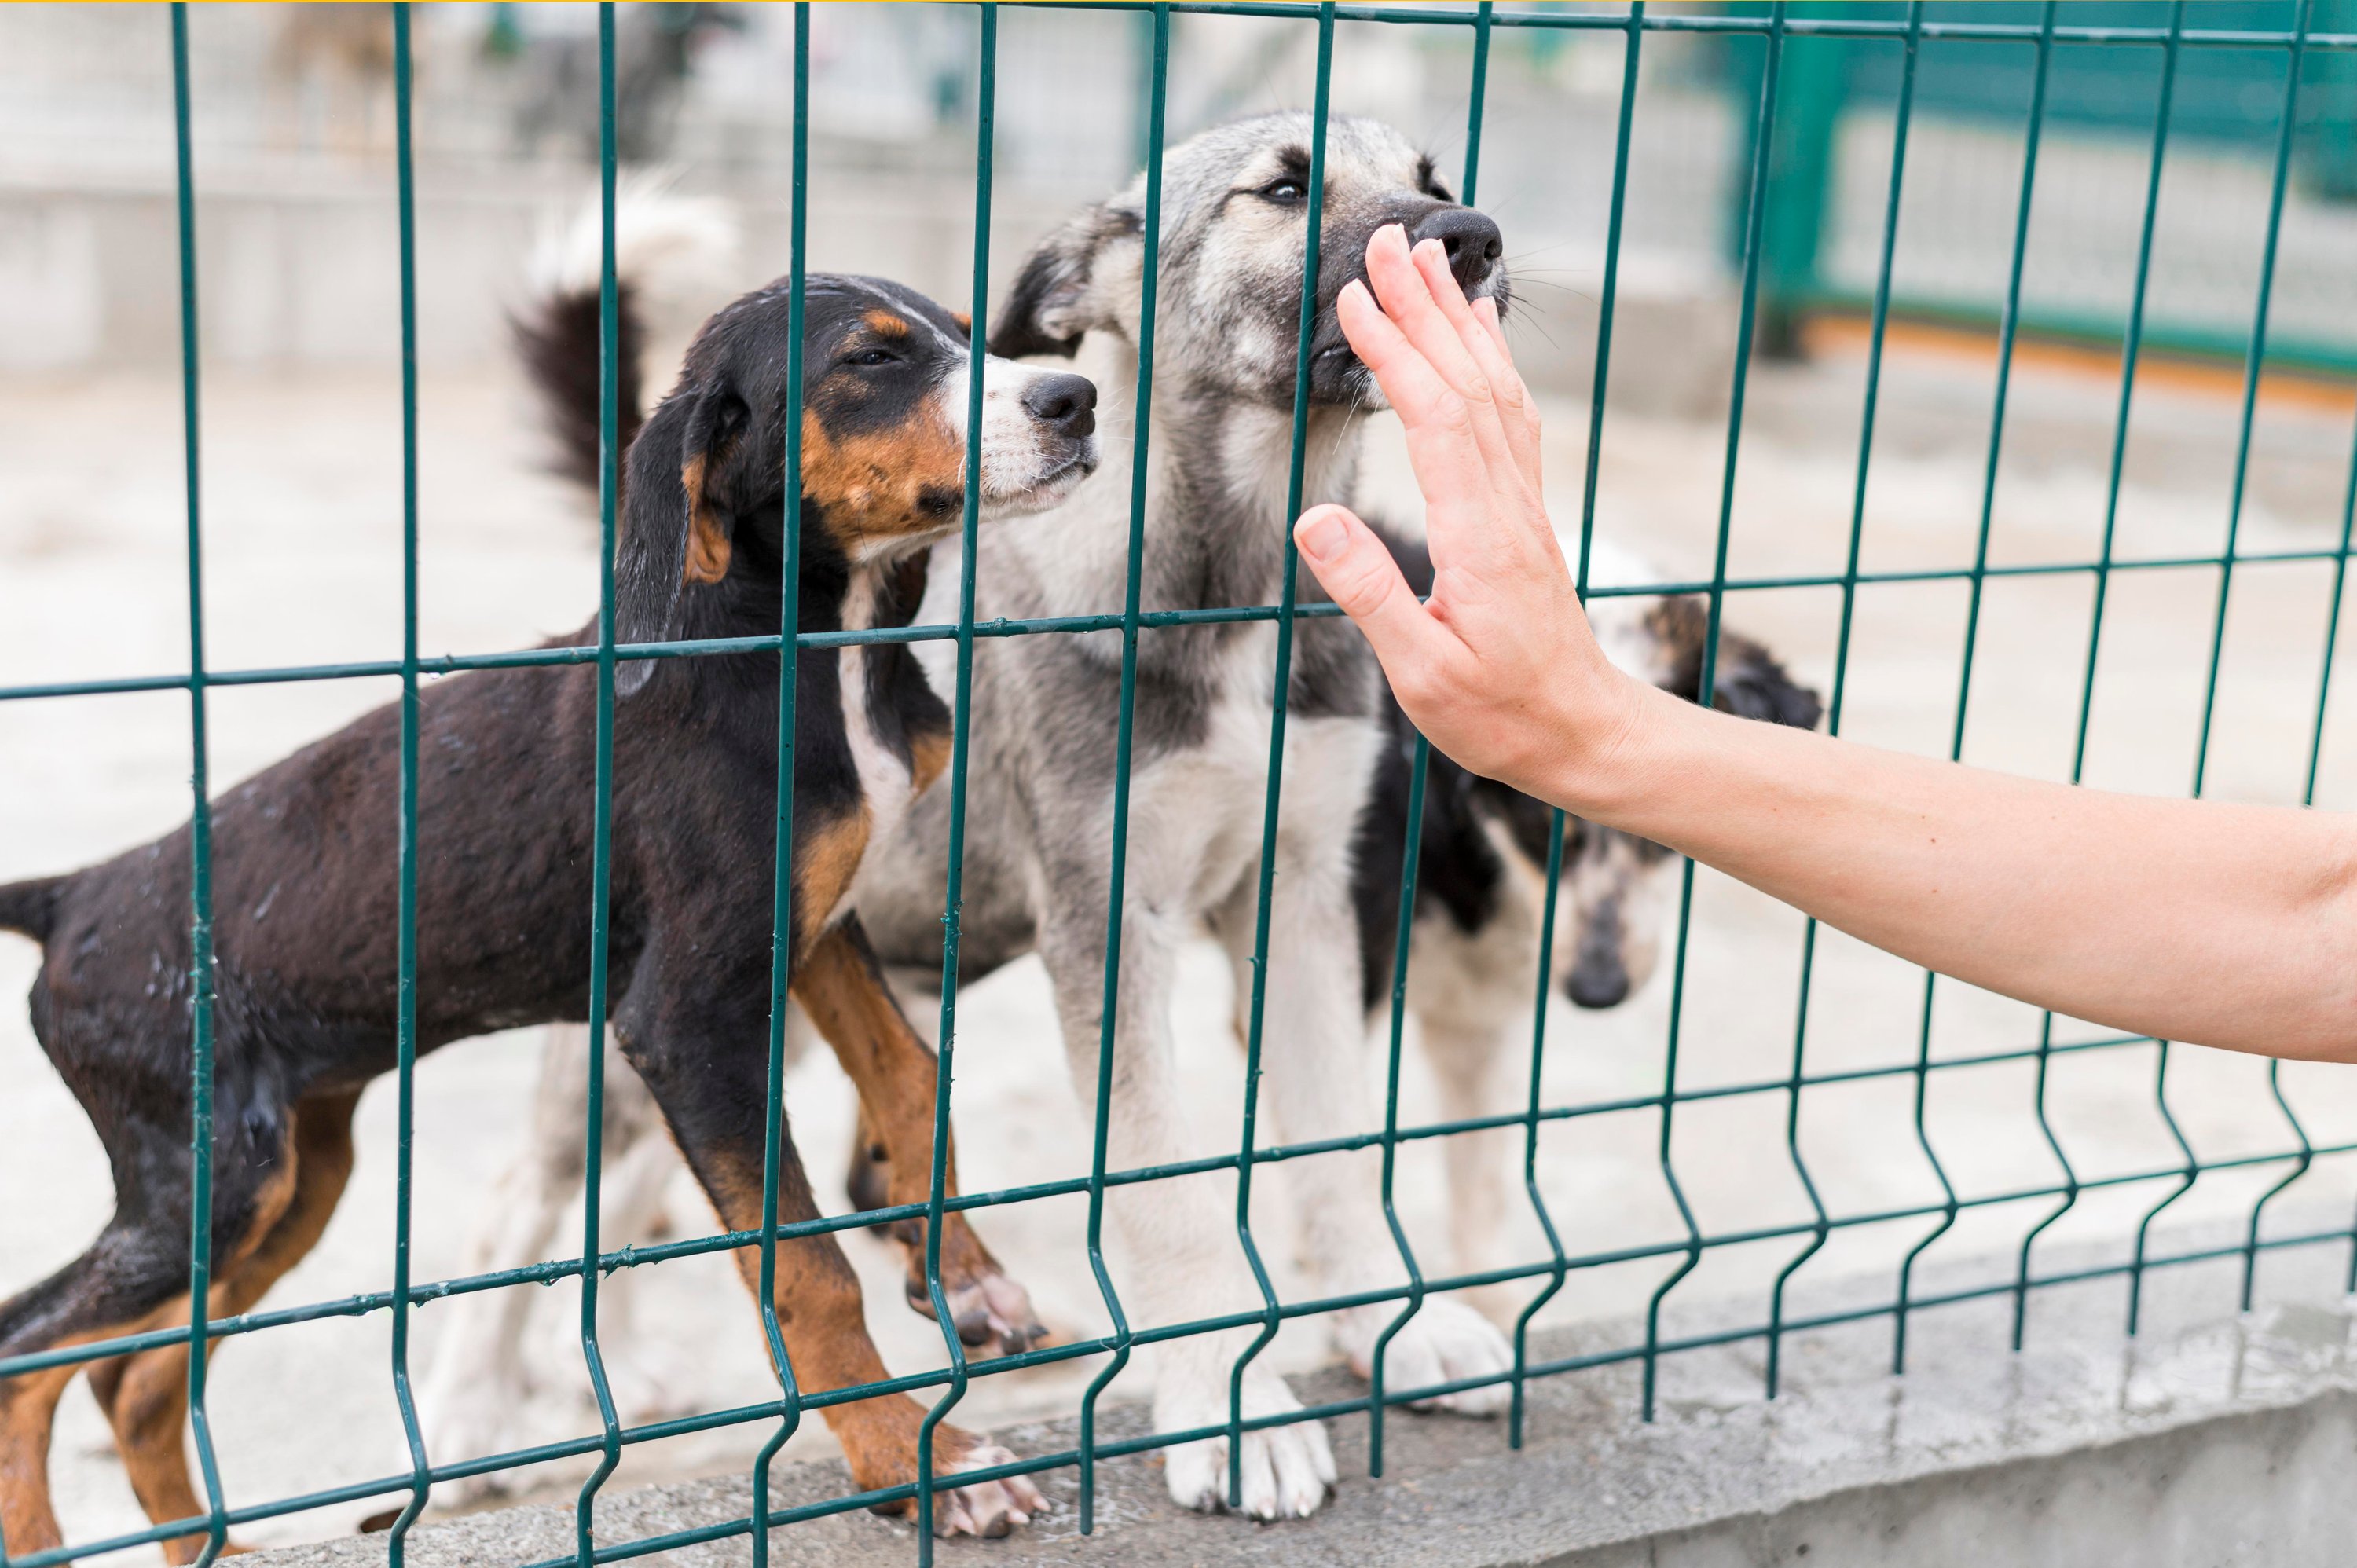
(1500, 669)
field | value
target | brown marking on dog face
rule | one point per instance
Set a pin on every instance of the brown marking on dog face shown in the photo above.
(708, 545)
(826, 857)
(874, 486)
(885, 324)
(929, 757)
(1680, 624)
(964, 322)
(1679, 627)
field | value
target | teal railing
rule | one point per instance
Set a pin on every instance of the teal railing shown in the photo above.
(2047, 34)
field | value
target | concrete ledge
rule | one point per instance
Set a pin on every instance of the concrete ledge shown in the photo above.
(2212, 1439)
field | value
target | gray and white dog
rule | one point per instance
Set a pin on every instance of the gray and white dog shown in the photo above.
(1040, 802)
(1042, 771)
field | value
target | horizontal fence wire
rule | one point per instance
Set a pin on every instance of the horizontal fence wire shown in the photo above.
(1920, 1072)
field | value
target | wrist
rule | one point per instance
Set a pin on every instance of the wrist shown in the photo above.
(1616, 752)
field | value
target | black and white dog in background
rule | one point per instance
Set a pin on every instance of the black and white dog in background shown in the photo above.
(1480, 891)
(1037, 846)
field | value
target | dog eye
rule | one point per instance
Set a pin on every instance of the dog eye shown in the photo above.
(872, 357)
(1284, 189)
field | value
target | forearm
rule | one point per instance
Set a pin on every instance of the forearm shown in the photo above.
(2224, 925)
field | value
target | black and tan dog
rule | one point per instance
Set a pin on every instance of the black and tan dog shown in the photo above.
(304, 887)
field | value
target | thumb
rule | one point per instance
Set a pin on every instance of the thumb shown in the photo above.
(1358, 571)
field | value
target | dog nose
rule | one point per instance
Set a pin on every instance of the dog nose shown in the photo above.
(1473, 241)
(1597, 984)
(1066, 404)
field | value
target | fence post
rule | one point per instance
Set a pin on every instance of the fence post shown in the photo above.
(1813, 83)
(2326, 154)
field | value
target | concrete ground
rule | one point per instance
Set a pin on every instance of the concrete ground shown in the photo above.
(2208, 1439)
(302, 557)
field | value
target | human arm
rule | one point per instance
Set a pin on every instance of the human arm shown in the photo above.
(2224, 925)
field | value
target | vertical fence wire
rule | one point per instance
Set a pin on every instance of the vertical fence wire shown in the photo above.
(1977, 579)
(200, 833)
(985, 101)
(2185, 1176)
(1117, 880)
(2131, 345)
(2323, 701)
(601, 852)
(1903, 121)
(1418, 768)
(2253, 366)
(1284, 677)
(1754, 237)
(406, 1021)
(404, 1296)
(2257, 365)
(1411, 854)
(781, 899)
(1632, 40)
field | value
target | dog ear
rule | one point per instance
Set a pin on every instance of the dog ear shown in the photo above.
(1751, 684)
(1749, 681)
(1055, 301)
(680, 504)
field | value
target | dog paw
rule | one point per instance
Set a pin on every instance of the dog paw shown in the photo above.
(1288, 1471)
(986, 1507)
(992, 1313)
(1445, 1342)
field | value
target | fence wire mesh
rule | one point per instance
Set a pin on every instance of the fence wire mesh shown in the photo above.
(1771, 39)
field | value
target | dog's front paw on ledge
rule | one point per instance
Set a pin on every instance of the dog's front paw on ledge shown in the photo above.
(992, 1313)
(1445, 1342)
(988, 1508)
(1288, 1470)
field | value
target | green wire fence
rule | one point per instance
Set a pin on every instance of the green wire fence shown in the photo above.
(1768, 34)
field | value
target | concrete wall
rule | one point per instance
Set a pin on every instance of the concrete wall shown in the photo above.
(305, 270)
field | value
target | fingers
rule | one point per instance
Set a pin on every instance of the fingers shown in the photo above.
(1403, 282)
(1476, 325)
(1359, 572)
(1437, 421)
(1485, 311)
(1410, 299)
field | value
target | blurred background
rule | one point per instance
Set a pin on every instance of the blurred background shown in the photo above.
(302, 488)
(294, 128)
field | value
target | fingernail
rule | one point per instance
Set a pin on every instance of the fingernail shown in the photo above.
(1321, 536)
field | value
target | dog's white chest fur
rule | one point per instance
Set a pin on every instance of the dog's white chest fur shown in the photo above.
(885, 781)
(1200, 814)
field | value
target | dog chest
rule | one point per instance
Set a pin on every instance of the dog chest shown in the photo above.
(1202, 808)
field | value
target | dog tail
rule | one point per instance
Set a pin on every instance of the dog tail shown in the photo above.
(665, 244)
(30, 908)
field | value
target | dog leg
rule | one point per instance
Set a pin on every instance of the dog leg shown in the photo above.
(1179, 1233)
(639, 1370)
(135, 1277)
(1314, 1058)
(477, 1383)
(841, 986)
(713, 1094)
(1474, 1061)
(145, 1396)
